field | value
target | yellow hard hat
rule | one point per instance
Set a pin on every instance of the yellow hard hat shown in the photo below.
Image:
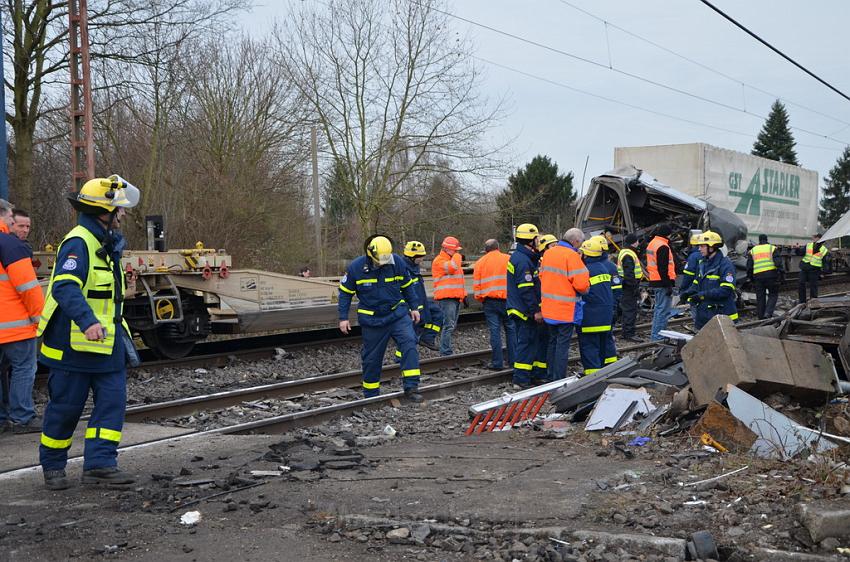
(709, 238)
(695, 234)
(103, 195)
(545, 241)
(603, 242)
(380, 249)
(526, 231)
(414, 248)
(592, 247)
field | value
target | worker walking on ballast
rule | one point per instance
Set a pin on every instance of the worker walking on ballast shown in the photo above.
(387, 304)
(430, 316)
(85, 342)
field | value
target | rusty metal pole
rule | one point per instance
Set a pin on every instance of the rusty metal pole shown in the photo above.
(82, 137)
(317, 207)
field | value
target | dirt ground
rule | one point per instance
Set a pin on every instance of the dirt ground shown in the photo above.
(346, 486)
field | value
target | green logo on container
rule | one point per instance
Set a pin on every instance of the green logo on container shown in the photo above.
(767, 185)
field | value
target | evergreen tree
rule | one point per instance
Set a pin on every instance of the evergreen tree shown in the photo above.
(537, 194)
(836, 192)
(775, 140)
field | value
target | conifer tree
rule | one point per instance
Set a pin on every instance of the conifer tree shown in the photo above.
(775, 140)
(836, 191)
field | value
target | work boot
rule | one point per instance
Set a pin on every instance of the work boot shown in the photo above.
(413, 395)
(56, 480)
(107, 475)
(32, 426)
(432, 345)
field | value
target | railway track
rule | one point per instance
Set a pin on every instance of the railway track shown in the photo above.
(315, 416)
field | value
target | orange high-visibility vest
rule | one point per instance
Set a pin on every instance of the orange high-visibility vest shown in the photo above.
(652, 261)
(490, 276)
(448, 277)
(562, 277)
(21, 297)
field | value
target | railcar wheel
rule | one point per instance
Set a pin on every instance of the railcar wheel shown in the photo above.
(162, 342)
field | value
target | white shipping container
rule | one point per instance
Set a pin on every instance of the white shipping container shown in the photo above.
(772, 198)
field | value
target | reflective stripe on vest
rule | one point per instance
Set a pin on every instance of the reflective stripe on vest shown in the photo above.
(631, 253)
(490, 278)
(98, 292)
(652, 260)
(559, 268)
(763, 258)
(447, 285)
(815, 259)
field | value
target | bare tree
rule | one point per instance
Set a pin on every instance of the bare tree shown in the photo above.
(394, 91)
(38, 32)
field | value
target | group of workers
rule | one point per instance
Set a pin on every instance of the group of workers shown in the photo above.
(537, 297)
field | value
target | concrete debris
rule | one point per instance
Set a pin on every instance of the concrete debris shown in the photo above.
(826, 519)
(777, 435)
(616, 403)
(719, 355)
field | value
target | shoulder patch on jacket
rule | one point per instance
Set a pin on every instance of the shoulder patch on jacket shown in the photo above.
(730, 278)
(70, 264)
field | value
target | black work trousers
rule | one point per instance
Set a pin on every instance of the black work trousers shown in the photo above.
(767, 291)
(810, 276)
(628, 308)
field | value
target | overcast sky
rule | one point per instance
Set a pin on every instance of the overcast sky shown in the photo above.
(570, 126)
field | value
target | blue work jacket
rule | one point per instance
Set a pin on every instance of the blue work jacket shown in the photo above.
(523, 283)
(598, 302)
(691, 267)
(415, 273)
(385, 292)
(715, 284)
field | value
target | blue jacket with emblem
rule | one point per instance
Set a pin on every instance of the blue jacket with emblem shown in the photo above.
(715, 285)
(616, 281)
(73, 259)
(691, 268)
(523, 282)
(598, 302)
(415, 273)
(384, 292)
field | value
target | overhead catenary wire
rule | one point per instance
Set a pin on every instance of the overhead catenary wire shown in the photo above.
(775, 50)
(628, 104)
(625, 73)
(720, 73)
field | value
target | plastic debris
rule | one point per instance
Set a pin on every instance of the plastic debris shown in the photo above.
(639, 441)
(190, 518)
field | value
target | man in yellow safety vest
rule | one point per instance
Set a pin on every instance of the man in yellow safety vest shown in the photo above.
(764, 268)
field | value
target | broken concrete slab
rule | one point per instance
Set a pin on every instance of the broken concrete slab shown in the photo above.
(777, 435)
(715, 357)
(645, 544)
(616, 402)
(826, 519)
(813, 370)
(761, 365)
(591, 387)
(731, 432)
